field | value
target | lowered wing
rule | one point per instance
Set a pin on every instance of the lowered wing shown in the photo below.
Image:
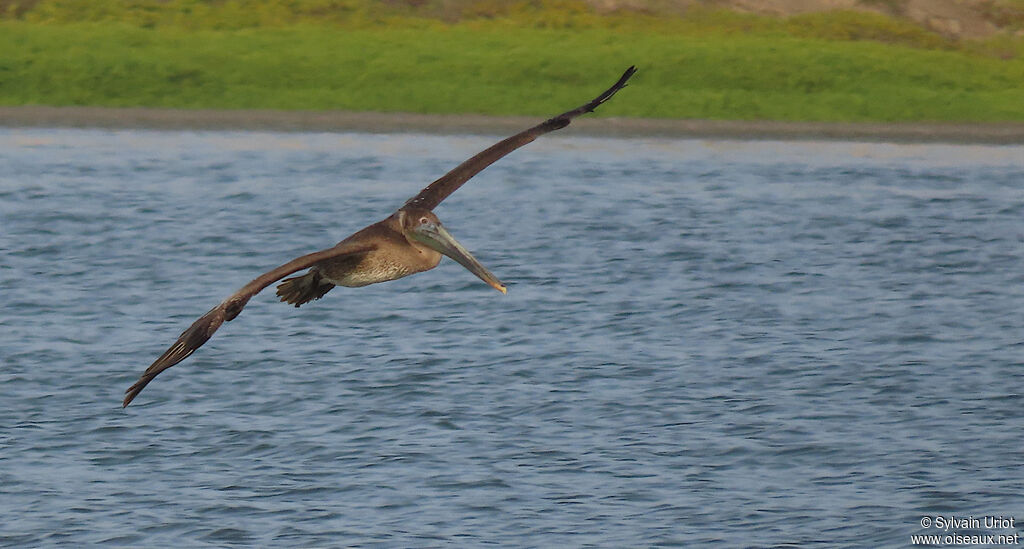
(202, 329)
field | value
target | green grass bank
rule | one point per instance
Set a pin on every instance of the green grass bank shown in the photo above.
(544, 57)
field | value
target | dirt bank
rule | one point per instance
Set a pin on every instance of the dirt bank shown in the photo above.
(337, 121)
(952, 18)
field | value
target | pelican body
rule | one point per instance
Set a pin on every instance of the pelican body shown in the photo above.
(409, 241)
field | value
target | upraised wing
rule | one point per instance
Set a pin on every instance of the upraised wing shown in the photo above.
(437, 191)
(202, 329)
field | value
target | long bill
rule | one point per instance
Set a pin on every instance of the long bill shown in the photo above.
(438, 238)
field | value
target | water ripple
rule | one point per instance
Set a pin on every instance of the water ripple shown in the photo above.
(704, 342)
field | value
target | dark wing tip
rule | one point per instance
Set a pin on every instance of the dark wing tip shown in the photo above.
(618, 85)
(134, 390)
(626, 76)
(562, 120)
(191, 339)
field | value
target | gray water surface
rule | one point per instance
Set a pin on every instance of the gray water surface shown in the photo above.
(750, 343)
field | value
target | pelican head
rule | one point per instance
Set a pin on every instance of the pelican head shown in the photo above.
(423, 227)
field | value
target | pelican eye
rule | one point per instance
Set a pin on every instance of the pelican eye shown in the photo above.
(424, 220)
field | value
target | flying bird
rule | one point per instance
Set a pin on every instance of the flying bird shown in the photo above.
(409, 241)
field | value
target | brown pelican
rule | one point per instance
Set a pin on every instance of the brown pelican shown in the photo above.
(411, 240)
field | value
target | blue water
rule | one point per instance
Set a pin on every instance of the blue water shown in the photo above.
(750, 343)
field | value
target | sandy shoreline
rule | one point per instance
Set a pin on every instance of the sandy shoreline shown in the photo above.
(341, 121)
